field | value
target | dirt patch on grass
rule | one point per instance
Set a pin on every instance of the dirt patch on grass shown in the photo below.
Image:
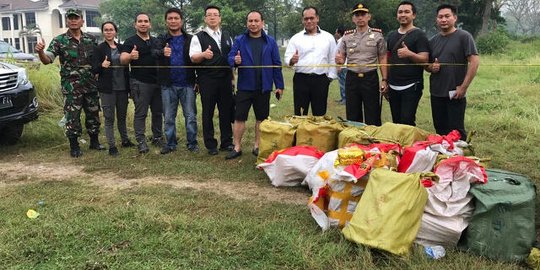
(18, 173)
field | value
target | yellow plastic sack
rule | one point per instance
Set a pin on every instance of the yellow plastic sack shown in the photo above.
(297, 119)
(274, 136)
(397, 133)
(360, 135)
(322, 134)
(389, 213)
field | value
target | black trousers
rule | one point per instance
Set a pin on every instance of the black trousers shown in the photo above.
(403, 104)
(448, 114)
(217, 91)
(363, 103)
(310, 89)
(146, 95)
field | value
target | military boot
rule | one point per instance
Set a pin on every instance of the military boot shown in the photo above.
(75, 149)
(94, 143)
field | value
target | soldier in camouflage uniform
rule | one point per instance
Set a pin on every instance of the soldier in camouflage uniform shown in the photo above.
(78, 84)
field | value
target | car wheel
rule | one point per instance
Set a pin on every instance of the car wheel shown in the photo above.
(11, 133)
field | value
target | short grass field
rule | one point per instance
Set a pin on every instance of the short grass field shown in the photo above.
(195, 211)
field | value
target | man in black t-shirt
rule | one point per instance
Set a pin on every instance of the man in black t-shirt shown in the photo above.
(454, 61)
(140, 51)
(408, 47)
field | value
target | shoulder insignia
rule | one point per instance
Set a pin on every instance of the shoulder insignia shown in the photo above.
(348, 32)
(378, 30)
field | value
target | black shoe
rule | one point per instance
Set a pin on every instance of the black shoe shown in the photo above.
(166, 149)
(113, 151)
(75, 152)
(127, 143)
(74, 148)
(94, 143)
(194, 149)
(227, 148)
(158, 141)
(143, 148)
(212, 151)
(233, 154)
(255, 151)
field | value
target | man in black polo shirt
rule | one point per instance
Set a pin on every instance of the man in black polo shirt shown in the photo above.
(138, 52)
(208, 48)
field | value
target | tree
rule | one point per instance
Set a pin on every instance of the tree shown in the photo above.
(524, 16)
(335, 13)
(123, 12)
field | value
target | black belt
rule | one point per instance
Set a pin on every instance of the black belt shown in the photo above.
(311, 74)
(363, 74)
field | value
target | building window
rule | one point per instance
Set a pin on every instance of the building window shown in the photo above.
(91, 17)
(60, 24)
(30, 19)
(6, 40)
(17, 43)
(32, 41)
(16, 19)
(6, 23)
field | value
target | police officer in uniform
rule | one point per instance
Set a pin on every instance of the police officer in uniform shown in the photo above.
(363, 49)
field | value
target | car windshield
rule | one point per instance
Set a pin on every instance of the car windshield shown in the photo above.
(6, 48)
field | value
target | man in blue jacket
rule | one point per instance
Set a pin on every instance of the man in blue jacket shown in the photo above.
(253, 50)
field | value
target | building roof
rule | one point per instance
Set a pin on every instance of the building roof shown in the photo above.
(84, 4)
(8, 6)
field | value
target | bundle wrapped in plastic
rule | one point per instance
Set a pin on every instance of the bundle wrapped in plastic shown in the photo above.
(290, 166)
(422, 156)
(449, 204)
(340, 177)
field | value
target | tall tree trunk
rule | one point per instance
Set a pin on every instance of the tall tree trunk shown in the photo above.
(486, 16)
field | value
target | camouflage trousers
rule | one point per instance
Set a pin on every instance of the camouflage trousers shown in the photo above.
(73, 104)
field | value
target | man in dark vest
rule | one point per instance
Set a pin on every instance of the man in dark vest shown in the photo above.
(209, 48)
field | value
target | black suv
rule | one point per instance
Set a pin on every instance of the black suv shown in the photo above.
(18, 102)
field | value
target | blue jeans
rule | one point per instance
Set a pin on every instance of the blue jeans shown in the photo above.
(341, 76)
(171, 95)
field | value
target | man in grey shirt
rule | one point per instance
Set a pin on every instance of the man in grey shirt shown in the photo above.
(454, 64)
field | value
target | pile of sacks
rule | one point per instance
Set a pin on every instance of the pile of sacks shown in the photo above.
(388, 187)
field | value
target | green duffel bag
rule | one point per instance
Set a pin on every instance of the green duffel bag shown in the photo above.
(502, 226)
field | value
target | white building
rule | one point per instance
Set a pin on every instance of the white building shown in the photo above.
(48, 15)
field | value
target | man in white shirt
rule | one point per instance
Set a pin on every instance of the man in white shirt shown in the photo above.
(210, 47)
(311, 52)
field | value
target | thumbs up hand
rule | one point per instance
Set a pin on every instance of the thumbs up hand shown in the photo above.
(436, 66)
(167, 50)
(40, 45)
(106, 63)
(404, 51)
(134, 53)
(294, 58)
(238, 58)
(208, 54)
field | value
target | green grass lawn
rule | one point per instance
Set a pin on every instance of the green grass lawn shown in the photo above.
(137, 212)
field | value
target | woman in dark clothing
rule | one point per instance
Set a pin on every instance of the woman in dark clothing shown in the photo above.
(113, 86)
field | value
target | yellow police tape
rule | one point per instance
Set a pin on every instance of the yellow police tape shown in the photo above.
(323, 66)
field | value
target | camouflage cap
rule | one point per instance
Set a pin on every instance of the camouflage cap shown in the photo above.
(74, 12)
(360, 8)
